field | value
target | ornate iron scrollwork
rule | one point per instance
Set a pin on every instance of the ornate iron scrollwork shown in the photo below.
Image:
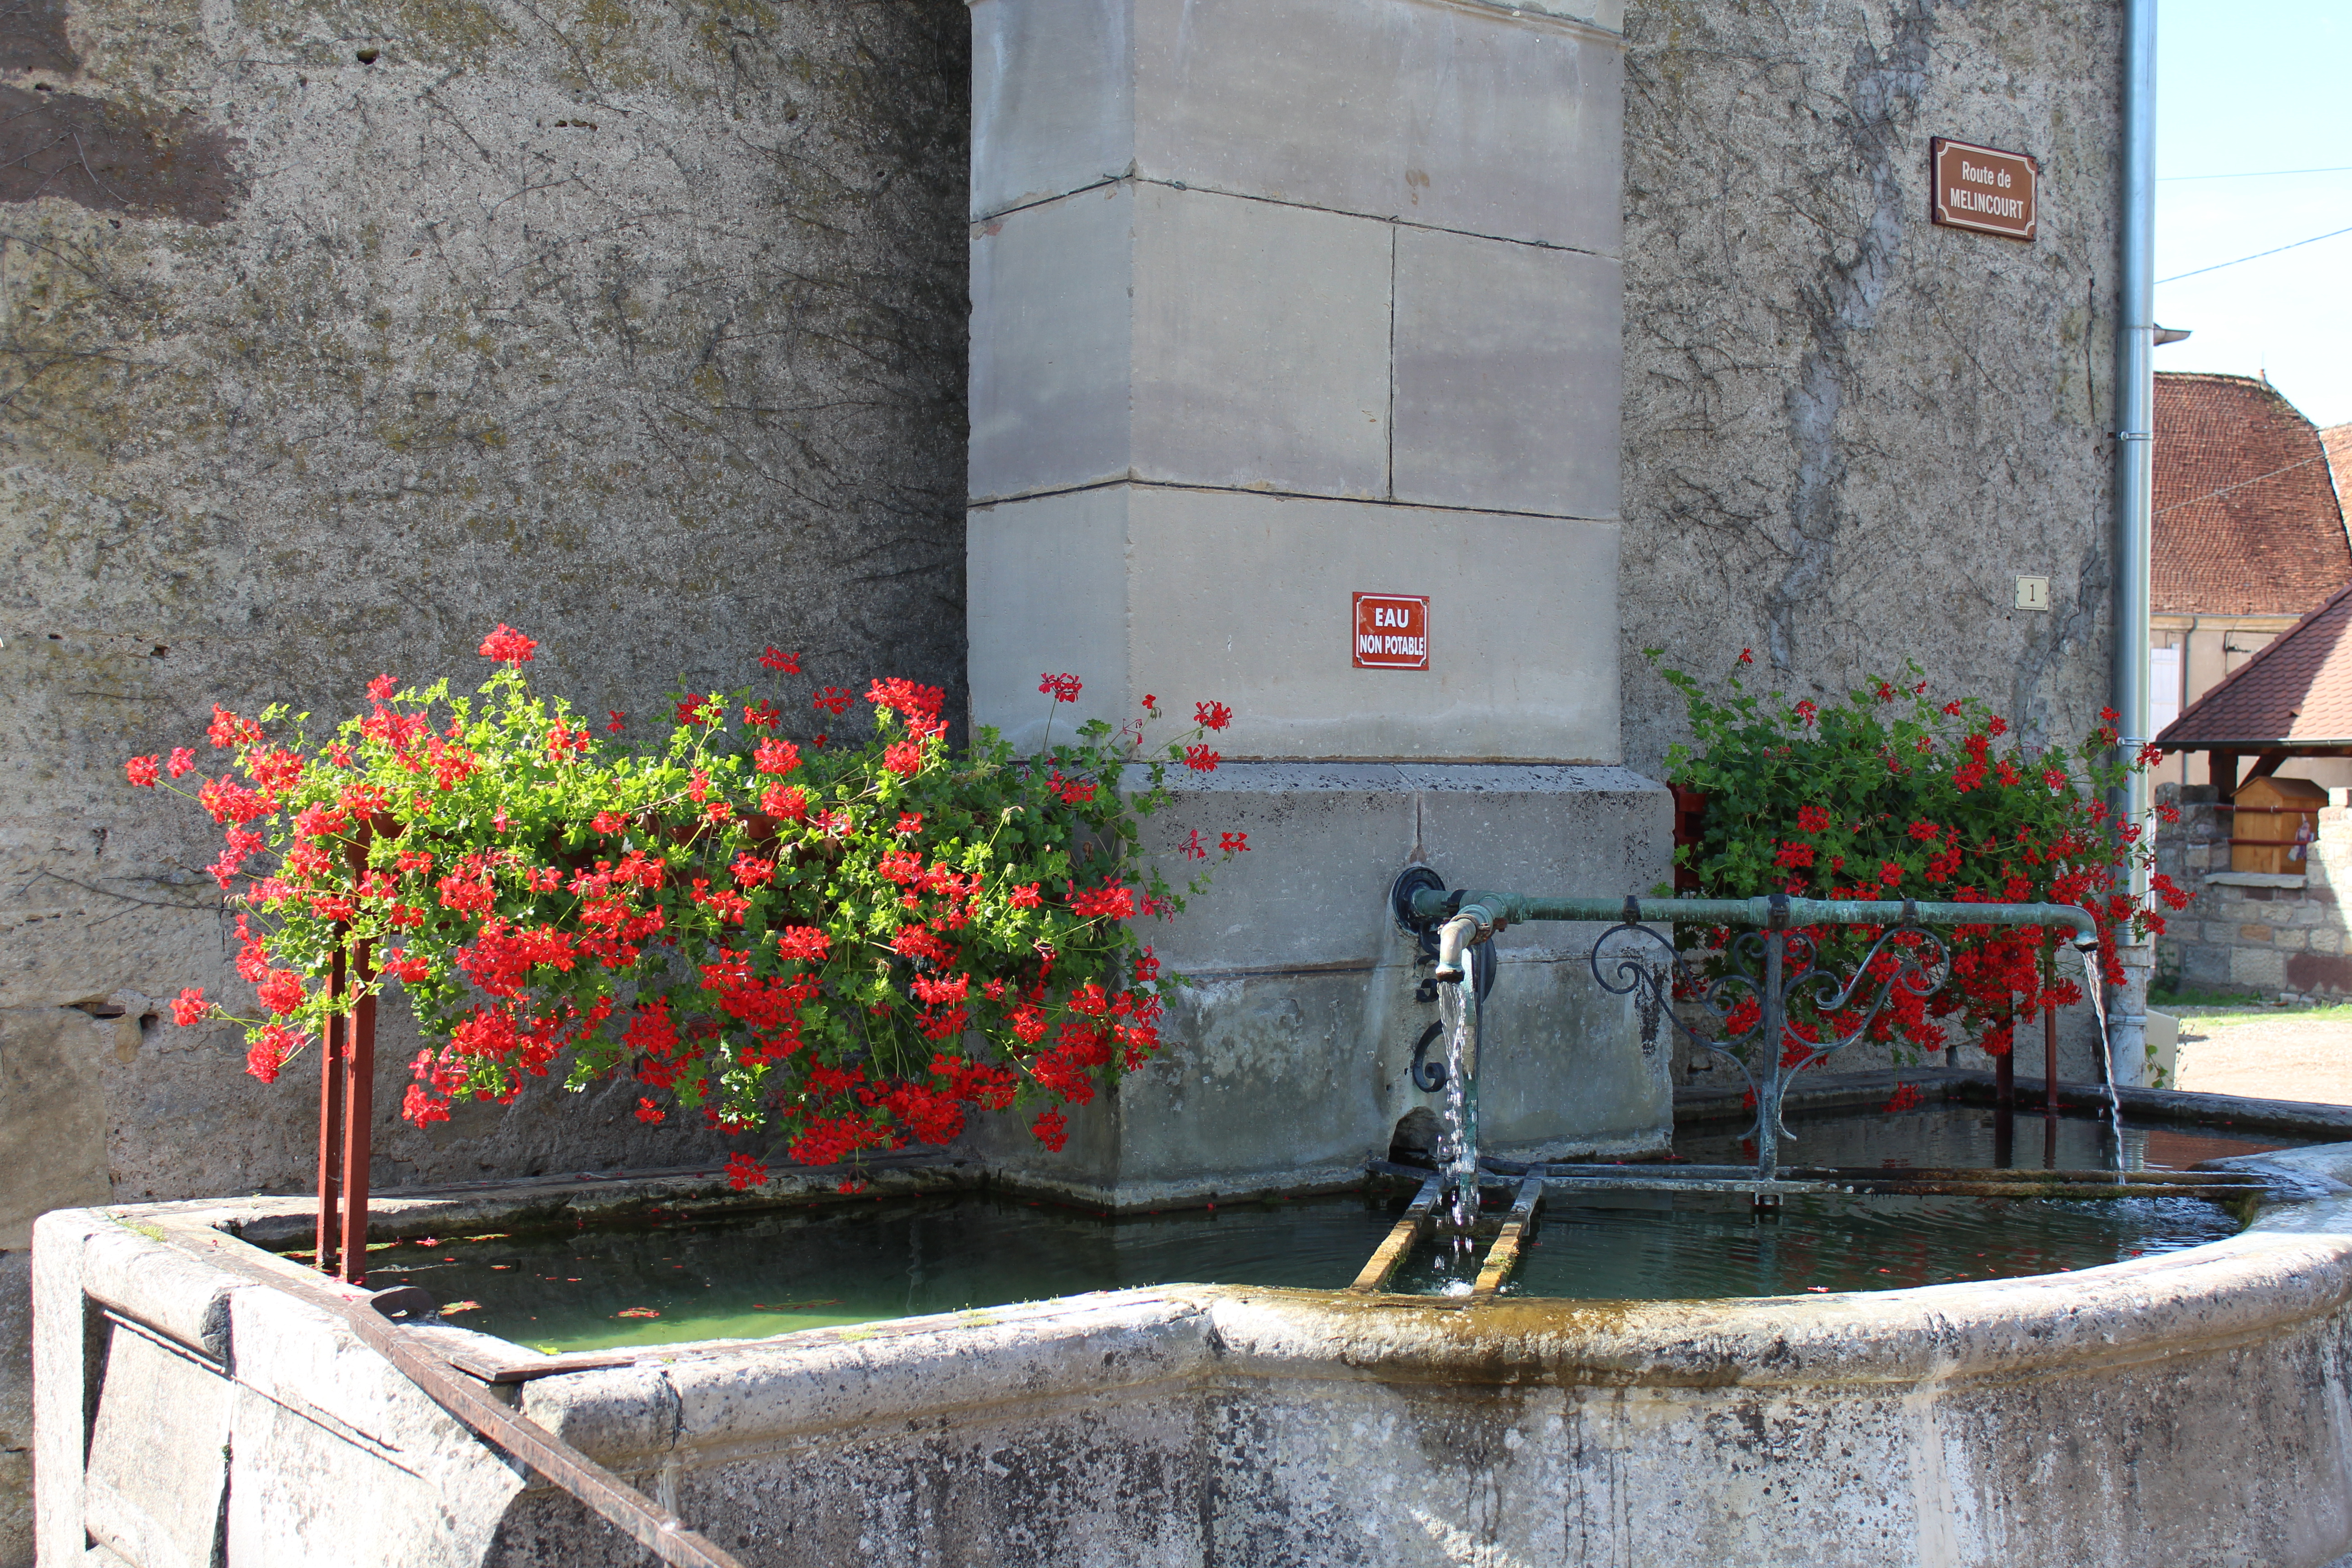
(1769, 968)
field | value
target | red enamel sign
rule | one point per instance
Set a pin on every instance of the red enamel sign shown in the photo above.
(1391, 631)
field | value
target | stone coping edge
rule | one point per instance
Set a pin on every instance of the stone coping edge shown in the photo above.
(1974, 1086)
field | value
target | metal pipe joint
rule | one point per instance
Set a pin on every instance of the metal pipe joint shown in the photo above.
(1460, 932)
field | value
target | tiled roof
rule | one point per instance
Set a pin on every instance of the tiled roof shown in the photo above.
(2297, 691)
(2247, 521)
(2338, 439)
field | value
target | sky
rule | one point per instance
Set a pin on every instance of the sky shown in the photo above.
(2246, 86)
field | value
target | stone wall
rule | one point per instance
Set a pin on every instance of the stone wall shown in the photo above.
(1848, 431)
(2279, 937)
(332, 336)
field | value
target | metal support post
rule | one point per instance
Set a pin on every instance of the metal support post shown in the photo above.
(359, 1120)
(330, 1120)
(1776, 1030)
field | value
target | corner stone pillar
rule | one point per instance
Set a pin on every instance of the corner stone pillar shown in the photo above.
(1275, 302)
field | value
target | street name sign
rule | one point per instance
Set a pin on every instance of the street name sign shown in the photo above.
(1983, 188)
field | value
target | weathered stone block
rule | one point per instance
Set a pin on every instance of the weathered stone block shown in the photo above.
(1508, 376)
(158, 1454)
(1195, 339)
(2253, 933)
(2289, 938)
(52, 1115)
(1466, 117)
(1262, 345)
(312, 1401)
(1247, 599)
(1286, 1059)
(2323, 940)
(2205, 965)
(1052, 99)
(1052, 317)
(2328, 973)
(2259, 967)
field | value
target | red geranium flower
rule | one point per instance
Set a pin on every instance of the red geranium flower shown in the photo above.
(507, 645)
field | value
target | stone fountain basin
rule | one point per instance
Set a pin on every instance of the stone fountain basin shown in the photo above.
(194, 1395)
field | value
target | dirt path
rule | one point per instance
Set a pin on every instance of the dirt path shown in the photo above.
(2284, 1057)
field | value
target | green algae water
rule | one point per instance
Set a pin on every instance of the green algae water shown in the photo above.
(773, 1272)
(1659, 1246)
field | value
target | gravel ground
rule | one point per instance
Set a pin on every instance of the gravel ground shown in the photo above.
(2282, 1056)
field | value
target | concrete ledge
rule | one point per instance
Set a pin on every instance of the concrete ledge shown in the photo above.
(2300, 1119)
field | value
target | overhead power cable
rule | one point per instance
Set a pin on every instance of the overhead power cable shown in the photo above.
(2259, 174)
(2257, 256)
(2241, 484)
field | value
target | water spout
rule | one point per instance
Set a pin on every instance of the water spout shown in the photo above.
(1455, 938)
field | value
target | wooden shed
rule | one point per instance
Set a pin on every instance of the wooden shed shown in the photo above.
(2274, 823)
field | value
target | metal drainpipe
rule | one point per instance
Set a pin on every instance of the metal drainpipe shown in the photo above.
(2187, 678)
(2135, 469)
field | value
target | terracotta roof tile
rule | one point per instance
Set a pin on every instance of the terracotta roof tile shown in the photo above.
(2297, 691)
(2247, 520)
(2338, 439)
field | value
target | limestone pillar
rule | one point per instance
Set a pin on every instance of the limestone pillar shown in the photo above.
(1275, 302)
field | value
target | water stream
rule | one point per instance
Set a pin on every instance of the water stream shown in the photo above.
(2093, 983)
(1457, 1009)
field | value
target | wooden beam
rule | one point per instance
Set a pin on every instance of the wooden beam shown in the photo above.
(2222, 772)
(1504, 1255)
(1410, 1227)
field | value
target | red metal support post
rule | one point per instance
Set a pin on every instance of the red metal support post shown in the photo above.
(331, 1123)
(2050, 1062)
(2004, 1115)
(2005, 1076)
(346, 1099)
(1690, 827)
(359, 1120)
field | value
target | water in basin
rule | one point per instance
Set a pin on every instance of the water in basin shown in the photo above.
(776, 1271)
(773, 1272)
(1649, 1246)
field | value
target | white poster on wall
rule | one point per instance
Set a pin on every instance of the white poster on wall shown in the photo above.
(2163, 688)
